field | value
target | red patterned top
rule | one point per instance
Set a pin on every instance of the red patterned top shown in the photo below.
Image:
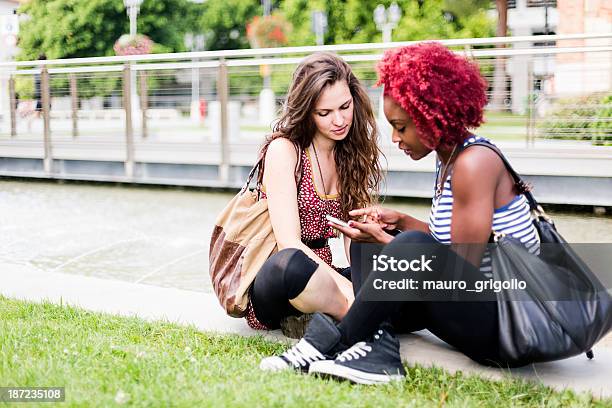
(313, 206)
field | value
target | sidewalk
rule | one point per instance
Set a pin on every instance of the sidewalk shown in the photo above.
(203, 311)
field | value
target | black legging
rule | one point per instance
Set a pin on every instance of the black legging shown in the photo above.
(282, 277)
(471, 327)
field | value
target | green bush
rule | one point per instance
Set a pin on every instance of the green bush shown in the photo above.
(24, 86)
(584, 118)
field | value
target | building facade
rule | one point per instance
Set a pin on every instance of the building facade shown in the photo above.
(527, 18)
(563, 75)
(584, 72)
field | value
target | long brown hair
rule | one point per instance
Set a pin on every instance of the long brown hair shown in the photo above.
(356, 156)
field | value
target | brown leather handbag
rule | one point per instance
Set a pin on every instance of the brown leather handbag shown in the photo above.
(241, 242)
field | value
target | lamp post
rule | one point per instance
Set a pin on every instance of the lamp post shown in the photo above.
(267, 81)
(9, 29)
(194, 43)
(267, 7)
(319, 25)
(386, 19)
(133, 8)
(267, 102)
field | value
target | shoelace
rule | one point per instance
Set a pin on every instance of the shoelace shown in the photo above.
(360, 349)
(302, 354)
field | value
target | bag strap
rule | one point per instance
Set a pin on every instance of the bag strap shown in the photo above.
(298, 172)
(255, 168)
(523, 187)
(259, 169)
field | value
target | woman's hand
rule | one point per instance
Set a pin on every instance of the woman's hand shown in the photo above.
(385, 217)
(365, 232)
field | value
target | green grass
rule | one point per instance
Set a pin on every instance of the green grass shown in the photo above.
(505, 119)
(256, 128)
(102, 359)
(503, 126)
(496, 135)
(246, 128)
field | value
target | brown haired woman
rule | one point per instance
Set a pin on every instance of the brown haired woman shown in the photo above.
(327, 128)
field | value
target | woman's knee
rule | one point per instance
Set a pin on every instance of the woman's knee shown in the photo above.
(410, 243)
(282, 258)
(414, 237)
(293, 268)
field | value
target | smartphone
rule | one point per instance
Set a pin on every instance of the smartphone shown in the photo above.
(336, 221)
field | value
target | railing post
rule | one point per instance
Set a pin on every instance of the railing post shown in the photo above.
(74, 102)
(12, 106)
(144, 101)
(129, 135)
(468, 52)
(46, 107)
(223, 92)
(530, 106)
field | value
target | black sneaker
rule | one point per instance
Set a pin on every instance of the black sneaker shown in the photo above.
(322, 336)
(295, 327)
(373, 362)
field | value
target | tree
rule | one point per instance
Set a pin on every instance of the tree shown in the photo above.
(351, 21)
(299, 14)
(465, 8)
(73, 28)
(499, 78)
(225, 21)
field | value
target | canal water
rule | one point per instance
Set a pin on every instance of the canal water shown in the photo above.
(156, 236)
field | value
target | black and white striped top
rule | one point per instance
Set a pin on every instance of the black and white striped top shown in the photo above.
(513, 219)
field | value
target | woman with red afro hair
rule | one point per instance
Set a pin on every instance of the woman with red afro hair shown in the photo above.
(442, 93)
(432, 98)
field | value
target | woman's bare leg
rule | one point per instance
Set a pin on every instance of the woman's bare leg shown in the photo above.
(325, 293)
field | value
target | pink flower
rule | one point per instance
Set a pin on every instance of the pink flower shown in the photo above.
(268, 31)
(133, 45)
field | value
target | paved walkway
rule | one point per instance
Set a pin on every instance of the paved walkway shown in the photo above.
(203, 311)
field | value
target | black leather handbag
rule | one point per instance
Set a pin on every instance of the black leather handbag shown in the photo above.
(565, 308)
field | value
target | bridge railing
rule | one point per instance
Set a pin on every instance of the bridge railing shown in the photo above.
(552, 90)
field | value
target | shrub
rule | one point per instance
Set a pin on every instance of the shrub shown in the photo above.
(583, 118)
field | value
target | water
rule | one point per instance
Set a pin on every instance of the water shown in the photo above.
(148, 235)
(152, 236)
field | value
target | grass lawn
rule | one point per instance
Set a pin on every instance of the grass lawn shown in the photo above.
(105, 360)
(505, 119)
(503, 126)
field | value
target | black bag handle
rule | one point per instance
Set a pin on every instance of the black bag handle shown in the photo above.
(524, 189)
(520, 184)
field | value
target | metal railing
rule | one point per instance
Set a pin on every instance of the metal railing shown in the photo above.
(213, 99)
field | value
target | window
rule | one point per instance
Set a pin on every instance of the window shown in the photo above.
(541, 3)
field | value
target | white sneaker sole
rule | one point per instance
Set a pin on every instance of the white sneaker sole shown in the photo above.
(274, 364)
(329, 368)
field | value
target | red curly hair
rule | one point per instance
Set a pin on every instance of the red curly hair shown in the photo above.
(443, 93)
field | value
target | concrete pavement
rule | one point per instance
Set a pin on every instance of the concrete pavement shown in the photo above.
(203, 311)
